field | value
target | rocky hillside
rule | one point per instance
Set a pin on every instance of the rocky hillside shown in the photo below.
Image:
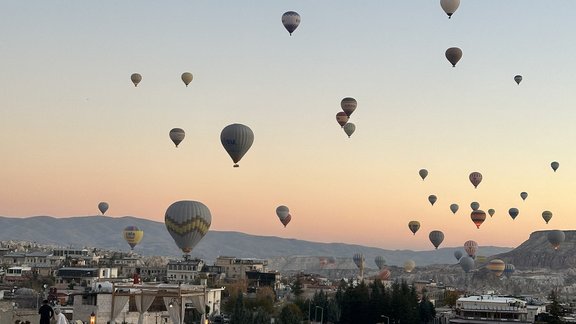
(537, 252)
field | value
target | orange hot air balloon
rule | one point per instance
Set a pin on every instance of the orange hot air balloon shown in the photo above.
(384, 275)
(496, 266)
(478, 217)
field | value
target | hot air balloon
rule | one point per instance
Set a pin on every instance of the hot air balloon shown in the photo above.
(359, 260)
(466, 263)
(518, 79)
(491, 212)
(103, 207)
(177, 135)
(133, 235)
(414, 226)
(555, 165)
(237, 140)
(471, 247)
(496, 266)
(384, 275)
(432, 199)
(187, 222)
(283, 213)
(547, 215)
(475, 178)
(136, 78)
(453, 54)
(556, 237)
(449, 6)
(423, 173)
(436, 237)
(474, 205)
(478, 217)
(380, 262)
(349, 129)
(348, 105)
(286, 220)
(513, 212)
(187, 78)
(457, 254)
(454, 208)
(291, 20)
(523, 195)
(342, 118)
(409, 265)
(509, 269)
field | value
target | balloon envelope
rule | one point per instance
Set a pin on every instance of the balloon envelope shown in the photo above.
(457, 254)
(409, 265)
(349, 129)
(454, 208)
(547, 216)
(496, 266)
(478, 217)
(384, 274)
(556, 237)
(348, 105)
(187, 222)
(103, 207)
(291, 20)
(466, 263)
(453, 54)
(491, 212)
(380, 262)
(513, 212)
(432, 199)
(177, 135)
(523, 195)
(509, 269)
(342, 118)
(436, 237)
(518, 79)
(359, 260)
(187, 78)
(554, 165)
(423, 173)
(133, 235)
(136, 78)
(414, 226)
(474, 205)
(475, 178)
(237, 140)
(283, 214)
(471, 247)
(449, 6)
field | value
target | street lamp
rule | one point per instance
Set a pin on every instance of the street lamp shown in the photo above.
(321, 314)
(92, 318)
(387, 318)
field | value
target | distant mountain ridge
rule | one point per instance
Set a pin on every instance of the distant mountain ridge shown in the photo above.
(105, 232)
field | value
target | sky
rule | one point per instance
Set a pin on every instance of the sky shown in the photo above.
(74, 130)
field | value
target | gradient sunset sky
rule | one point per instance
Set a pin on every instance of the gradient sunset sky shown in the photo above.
(74, 130)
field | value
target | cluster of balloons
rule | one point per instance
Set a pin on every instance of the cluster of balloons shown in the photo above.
(348, 106)
(186, 77)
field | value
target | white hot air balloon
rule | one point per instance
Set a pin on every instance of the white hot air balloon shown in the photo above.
(449, 6)
(237, 140)
(187, 222)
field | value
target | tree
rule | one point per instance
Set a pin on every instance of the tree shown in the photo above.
(297, 287)
(450, 298)
(427, 310)
(555, 309)
(290, 314)
(240, 315)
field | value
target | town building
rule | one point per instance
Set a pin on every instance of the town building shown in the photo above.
(490, 308)
(235, 268)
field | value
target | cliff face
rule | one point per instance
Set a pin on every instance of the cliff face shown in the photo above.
(537, 252)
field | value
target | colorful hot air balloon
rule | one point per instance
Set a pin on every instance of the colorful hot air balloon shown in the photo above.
(283, 214)
(187, 222)
(423, 173)
(177, 135)
(547, 215)
(513, 212)
(555, 165)
(349, 129)
(496, 266)
(518, 79)
(348, 105)
(432, 199)
(453, 54)
(457, 254)
(556, 237)
(475, 178)
(187, 78)
(509, 269)
(342, 118)
(436, 237)
(478, 217)
(133, 235)
(523, 195)
(136, 78)
(449, 6)
(471, 247)
(291, 20)
(384, 275)
(454, 208)
(491, 212)
(466, 263)
(380, 262)
(409, 265)
(414, 226)
(474, 205)
(103, 207)
(237, 140)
